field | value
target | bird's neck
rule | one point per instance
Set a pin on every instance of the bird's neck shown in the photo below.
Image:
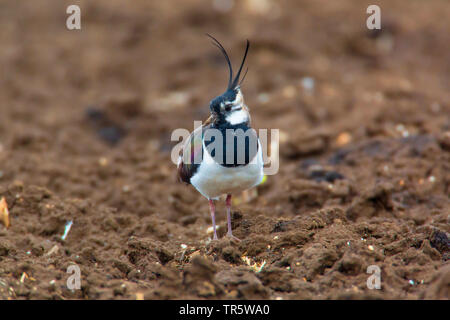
(238, 118)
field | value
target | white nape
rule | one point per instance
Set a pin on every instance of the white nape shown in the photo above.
(237, 117)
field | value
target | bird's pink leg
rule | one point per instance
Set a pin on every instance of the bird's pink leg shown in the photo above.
(230, 232)
(212, 208)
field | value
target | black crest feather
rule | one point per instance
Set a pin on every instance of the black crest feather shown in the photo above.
(236, 80)
(232, 83)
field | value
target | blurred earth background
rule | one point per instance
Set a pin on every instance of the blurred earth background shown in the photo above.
(85, 123)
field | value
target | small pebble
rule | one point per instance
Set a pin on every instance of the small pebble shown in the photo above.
(308, 83)
(263, 98)
(139, 296)
(289, 92)
(343, 138)
(435, 107)
(103, 161)
(223, 5)
(261, 7)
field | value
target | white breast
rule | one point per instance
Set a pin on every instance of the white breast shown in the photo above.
(213, 180)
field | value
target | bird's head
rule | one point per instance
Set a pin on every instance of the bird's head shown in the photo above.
(229, 106)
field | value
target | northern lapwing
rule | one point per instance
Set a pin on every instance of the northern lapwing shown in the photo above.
(224, 155)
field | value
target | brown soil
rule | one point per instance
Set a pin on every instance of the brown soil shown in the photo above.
(85, 125)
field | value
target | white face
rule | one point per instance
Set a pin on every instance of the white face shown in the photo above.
(238, 113)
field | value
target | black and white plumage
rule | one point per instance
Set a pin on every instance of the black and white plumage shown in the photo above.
(230, 167)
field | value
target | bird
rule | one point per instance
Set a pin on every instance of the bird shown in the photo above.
(223, 156)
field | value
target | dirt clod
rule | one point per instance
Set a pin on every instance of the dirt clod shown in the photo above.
(87, 116)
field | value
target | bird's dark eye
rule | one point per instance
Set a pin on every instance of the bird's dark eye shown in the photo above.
(227, 108)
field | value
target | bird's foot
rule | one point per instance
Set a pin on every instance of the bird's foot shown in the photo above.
(231, 237)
